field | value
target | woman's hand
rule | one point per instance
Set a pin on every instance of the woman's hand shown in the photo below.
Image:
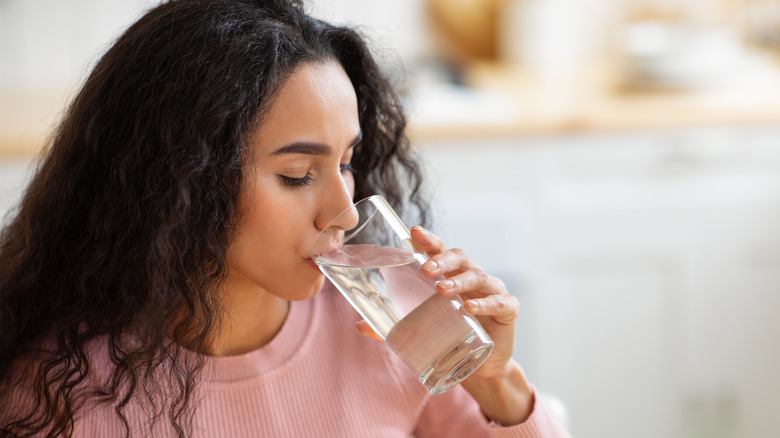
(499, 385)
(484, 296)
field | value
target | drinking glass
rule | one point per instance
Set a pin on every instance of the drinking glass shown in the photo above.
(377, 268)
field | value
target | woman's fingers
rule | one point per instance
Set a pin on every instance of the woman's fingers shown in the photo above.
(365, 329)
(504, 309)
(485, 295)
(448, 263)
(473, 281)
(427, 241)
(442, 261)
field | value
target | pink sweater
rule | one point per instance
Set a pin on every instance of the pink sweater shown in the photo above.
(299, 385)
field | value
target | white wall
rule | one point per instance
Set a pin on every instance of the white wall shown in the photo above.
(396, 26)
(13, 177)
(54, 43)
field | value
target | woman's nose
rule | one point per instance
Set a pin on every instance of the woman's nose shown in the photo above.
(337, 208)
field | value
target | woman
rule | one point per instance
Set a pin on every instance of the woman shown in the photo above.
(155, 280)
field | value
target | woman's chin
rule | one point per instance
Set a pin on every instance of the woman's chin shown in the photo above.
(311, 290)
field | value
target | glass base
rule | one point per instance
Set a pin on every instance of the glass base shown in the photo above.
(458, 362)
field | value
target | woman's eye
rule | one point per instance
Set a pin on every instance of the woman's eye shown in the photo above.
(296, 182)
(346, 168)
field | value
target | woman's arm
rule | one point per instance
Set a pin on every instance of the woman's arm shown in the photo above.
(508, 399)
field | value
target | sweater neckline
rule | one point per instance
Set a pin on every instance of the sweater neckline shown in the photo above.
(287, 343)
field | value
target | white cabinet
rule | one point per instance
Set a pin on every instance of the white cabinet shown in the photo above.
(648, 266)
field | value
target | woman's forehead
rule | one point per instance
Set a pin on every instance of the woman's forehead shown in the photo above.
(317, 104)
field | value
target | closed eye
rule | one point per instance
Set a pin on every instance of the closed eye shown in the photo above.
(346, 168)
(297, 182)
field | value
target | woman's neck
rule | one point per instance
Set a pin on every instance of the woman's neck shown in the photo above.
(251, 318)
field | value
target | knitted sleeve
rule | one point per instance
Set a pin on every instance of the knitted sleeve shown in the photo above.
(456, 414)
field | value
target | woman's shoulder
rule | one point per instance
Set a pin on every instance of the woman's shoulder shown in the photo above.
(43, 374)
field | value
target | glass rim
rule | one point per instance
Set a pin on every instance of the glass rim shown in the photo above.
(380, 205)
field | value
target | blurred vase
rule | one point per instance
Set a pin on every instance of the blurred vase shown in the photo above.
(543, 35)
(466, 29)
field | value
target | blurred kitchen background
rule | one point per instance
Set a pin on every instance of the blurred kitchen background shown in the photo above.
(615, 162)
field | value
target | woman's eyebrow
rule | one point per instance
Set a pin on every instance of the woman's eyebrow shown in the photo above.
(312, 148)
(303, 147)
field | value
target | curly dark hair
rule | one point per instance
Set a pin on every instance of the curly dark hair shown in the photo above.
(122, 233)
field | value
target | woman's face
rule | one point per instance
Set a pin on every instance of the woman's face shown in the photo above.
(298, 180)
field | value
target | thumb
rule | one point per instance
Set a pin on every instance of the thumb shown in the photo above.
(364, 329)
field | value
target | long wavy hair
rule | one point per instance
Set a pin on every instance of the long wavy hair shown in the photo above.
(120, 237)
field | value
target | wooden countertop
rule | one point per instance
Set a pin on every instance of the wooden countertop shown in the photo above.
(592, 100)
(597, 100)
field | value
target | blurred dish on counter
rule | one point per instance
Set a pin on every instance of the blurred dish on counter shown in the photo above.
(670, 55)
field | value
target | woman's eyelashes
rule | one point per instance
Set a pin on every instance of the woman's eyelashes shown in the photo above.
(307, 179)
(297, 182)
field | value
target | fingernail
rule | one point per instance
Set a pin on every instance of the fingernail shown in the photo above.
(430, 266)
(418, 228)
(447, 284)
(473, 305)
